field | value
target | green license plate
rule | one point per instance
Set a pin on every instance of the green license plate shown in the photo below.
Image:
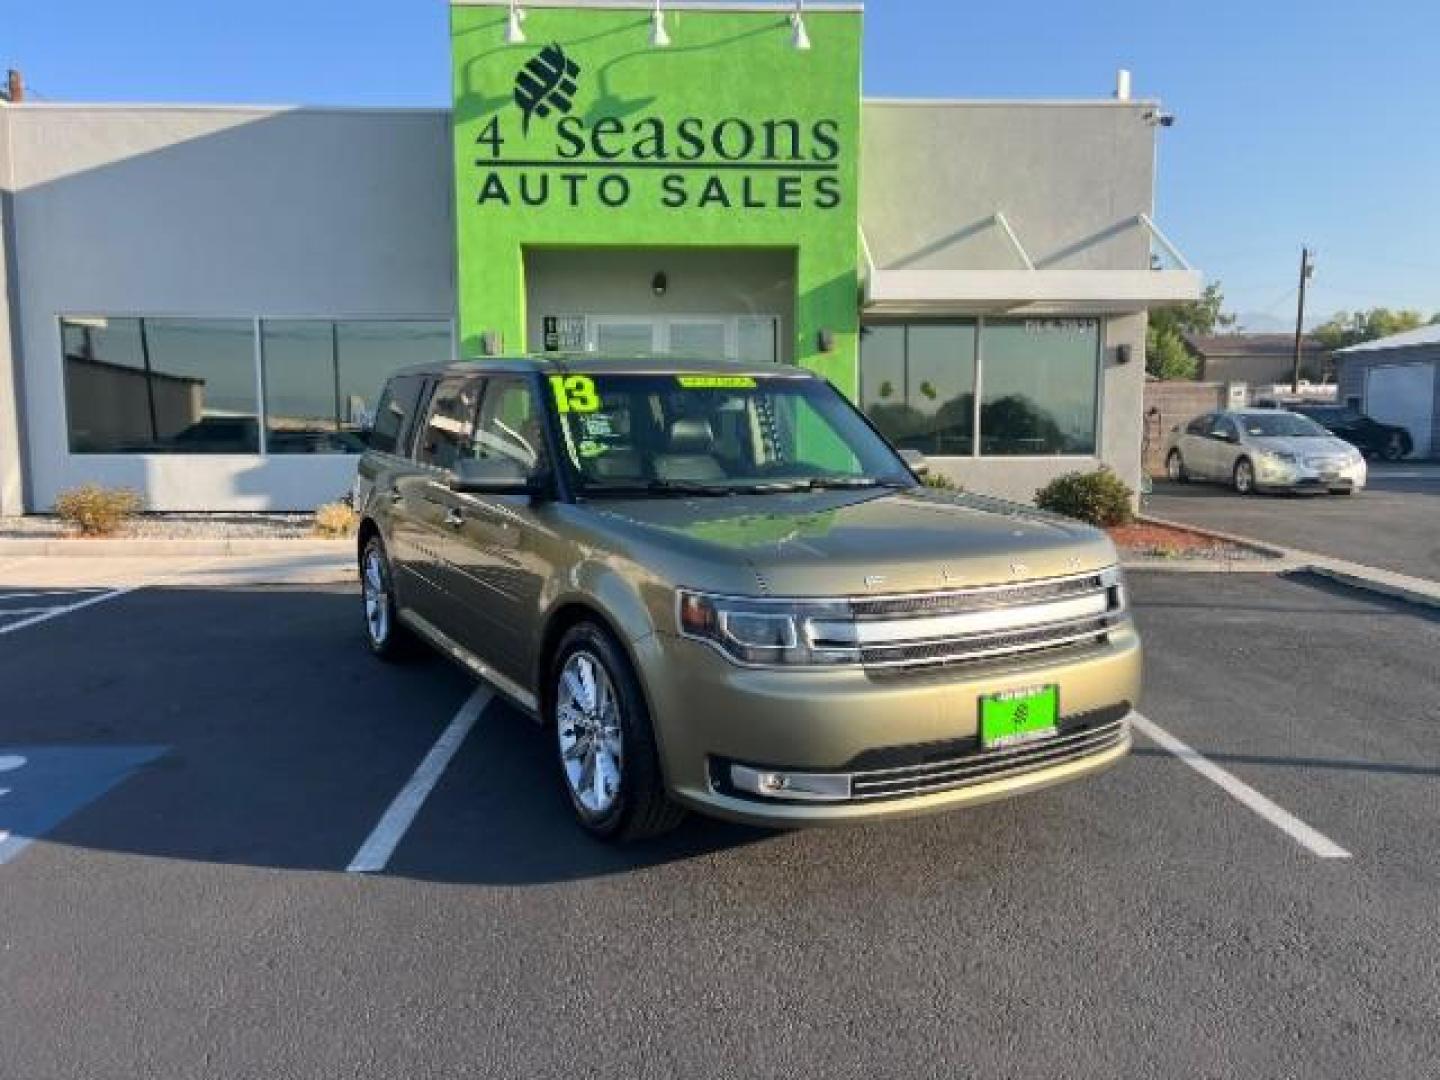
(1018, 716)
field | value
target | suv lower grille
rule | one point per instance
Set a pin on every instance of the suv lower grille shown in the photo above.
(924, 769)
(986, 766)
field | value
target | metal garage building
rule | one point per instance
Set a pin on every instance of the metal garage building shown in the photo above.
(1394, 379)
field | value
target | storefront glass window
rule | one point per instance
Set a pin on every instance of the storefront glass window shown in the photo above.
(323, 379)
(1039, 380)
(178, 386)
(918, 385)
(189, 386)
(1039, 386)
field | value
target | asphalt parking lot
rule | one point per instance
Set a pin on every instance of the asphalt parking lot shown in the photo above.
(186, 773)
(1405, 497)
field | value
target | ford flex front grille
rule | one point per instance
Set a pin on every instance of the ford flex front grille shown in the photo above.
(967, 625)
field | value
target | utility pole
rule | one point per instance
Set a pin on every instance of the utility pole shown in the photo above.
(1307, 271)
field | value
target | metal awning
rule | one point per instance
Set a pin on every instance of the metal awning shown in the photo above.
(1028, 287)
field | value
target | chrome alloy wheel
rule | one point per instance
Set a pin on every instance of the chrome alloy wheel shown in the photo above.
(377, 600)
(1244, 477)
(588, 724)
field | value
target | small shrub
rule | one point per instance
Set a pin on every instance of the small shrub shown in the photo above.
(96, 510)
(336, 520)
(1100, 498)
(940, 482)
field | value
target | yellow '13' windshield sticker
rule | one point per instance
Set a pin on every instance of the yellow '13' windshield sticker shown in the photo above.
(574, 393)
(716, 382)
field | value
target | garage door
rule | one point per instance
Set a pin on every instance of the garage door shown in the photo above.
(1404, 394)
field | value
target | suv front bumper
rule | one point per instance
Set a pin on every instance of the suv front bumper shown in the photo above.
(863, 746)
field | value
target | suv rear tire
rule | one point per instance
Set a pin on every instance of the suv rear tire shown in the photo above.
(387, 636)
(605, 744)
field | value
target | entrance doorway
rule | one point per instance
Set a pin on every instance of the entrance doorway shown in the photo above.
(751, 339)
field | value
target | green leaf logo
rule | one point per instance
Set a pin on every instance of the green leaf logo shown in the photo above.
(546, 84)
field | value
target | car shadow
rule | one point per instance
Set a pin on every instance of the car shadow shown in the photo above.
(1339, 764)
(280, 743)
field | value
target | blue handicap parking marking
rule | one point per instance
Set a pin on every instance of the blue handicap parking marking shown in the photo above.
(41, 786)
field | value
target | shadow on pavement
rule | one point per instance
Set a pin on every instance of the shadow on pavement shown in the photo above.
(1394, 768)
(283, 742)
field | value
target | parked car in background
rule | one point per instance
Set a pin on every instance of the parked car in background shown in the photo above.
(719, 588)
(1263, 450)
(1372, 438)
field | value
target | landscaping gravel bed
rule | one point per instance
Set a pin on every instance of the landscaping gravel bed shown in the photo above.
(172, 527)
(1151, 540)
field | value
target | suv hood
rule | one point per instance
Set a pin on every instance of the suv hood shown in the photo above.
(846, 543)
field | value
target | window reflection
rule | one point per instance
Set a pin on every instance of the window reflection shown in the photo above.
(184, 386)
(323, 379)
(1040, 384)
(1040, 380)
(918, 385)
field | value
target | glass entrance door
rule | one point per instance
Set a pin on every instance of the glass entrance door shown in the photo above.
(750, 339)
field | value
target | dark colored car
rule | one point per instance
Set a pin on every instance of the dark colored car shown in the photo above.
(1369, 436)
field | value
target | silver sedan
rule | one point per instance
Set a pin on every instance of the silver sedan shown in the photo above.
(1263, 450)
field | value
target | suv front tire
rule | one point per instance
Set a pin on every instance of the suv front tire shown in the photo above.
(605, 745)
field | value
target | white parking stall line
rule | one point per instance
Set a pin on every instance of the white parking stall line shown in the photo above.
(375, 853)
(38, 594)
(1315, 842)
(56, 612)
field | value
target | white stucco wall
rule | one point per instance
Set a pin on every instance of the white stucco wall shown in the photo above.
(236, 212)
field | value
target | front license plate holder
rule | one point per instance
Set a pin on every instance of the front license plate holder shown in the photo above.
(1016, 717)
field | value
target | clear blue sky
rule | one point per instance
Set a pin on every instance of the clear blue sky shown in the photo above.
(1298, 122)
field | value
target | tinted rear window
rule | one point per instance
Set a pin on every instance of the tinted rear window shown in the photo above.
(391, 431)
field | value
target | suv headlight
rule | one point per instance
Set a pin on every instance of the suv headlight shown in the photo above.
(773, 633)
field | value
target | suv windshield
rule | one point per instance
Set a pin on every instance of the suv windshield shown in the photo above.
(1280, 424)
(716, 434)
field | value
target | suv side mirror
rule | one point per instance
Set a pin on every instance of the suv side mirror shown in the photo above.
(916, 461)
(493, 476)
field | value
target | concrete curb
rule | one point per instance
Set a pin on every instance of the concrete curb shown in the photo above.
(1383, 583)
(130, 547)
(1373, 579)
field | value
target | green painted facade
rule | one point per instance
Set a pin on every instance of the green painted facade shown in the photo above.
(587, 136)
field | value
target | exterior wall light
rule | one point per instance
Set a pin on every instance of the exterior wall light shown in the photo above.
(659, 284)
(659, 36)
(799, 39)
(514, 31)
(825, 340)
(492, 343)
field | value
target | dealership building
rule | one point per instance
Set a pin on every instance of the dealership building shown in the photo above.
(203, 302)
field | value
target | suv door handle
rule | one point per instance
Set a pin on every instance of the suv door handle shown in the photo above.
(455, 517)
(394, 495)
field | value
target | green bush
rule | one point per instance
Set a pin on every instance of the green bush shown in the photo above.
(1099, 497)
(940, 482)
(96, 510)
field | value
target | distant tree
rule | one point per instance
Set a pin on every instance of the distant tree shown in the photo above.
(1346, 328)
(1165, 354)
